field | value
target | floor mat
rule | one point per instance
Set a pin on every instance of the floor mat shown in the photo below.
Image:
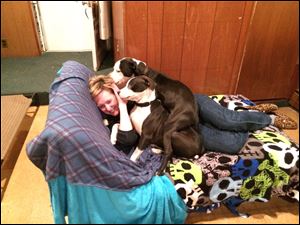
(27, 75)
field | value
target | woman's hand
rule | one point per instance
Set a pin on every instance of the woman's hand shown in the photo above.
(116, 90)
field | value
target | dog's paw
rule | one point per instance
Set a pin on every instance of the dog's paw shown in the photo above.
(196, 157)
(136, 154)
(160, 173)
(105, 122)
(156, 150)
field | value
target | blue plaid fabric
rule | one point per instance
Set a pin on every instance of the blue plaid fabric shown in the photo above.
(76, 144)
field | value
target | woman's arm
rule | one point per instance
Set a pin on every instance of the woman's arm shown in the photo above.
(125, 122)
(126, 137)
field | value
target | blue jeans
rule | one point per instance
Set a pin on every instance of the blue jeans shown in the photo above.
(225, 130)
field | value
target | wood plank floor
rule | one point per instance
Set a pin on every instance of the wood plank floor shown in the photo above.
(26, 196)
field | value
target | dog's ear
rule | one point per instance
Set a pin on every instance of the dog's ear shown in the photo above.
(128, 67)
(149, 82)
(141, 68)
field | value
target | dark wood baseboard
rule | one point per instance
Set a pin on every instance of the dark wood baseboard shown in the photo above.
(294, 100)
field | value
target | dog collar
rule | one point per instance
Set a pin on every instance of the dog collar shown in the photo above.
(145, 104)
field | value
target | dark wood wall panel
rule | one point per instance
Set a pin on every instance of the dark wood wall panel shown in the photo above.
(196, 54)
(199, 26)
(155, 25)
(136, 29)
(230, 10)
(172, 37)
(248, 11)
(211, 39)
(225, 40)
(223, 44)
(272, 51)
(215, 47)
(222, 53)
(194, 42)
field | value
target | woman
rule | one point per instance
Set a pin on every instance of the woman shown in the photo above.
(222, 130)
(114, 112)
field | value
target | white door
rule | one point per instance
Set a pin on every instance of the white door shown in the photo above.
(66, 27)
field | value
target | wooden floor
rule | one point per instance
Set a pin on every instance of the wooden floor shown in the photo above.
(25, 195)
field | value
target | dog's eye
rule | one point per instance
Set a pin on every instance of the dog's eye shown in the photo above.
(118, 71)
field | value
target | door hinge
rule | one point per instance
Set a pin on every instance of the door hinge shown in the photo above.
(4, 43)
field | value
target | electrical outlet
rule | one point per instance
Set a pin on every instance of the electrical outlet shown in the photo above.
(4, 43)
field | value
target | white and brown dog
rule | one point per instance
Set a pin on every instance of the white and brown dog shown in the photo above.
(147, 115)
(152, 120)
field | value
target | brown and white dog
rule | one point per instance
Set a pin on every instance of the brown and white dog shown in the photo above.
(181, 125)
(147, 115)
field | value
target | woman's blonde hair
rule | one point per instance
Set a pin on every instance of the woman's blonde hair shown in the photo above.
(97, 83)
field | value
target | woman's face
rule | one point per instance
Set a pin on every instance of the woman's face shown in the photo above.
(107, 102)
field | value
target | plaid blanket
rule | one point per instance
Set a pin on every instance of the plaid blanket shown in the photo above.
(76, 144)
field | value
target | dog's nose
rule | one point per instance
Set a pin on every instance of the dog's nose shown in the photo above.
(122, 83)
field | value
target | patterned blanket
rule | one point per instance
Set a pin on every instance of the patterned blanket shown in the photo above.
(267, 166)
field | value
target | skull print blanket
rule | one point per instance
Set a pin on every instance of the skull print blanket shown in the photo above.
(88, 177)
(267, 166)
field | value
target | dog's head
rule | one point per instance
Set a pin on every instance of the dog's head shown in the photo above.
(137, 88)
(126, 68)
